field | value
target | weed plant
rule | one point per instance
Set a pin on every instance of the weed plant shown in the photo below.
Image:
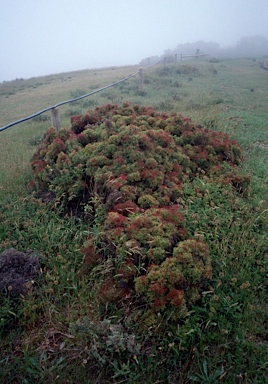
(57, 333)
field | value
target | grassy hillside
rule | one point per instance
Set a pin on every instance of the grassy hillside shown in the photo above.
(56, 333)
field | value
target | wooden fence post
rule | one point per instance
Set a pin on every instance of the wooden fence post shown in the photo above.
(55, 118)
(176, 58)
(141, 79)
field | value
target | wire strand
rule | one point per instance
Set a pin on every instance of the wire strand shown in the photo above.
(71, 100)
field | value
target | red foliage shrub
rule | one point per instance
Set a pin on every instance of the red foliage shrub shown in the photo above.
(126, 208)
(176, 297)
(136, 161)
(111, 292)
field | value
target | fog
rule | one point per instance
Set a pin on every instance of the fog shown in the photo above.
(41, 37)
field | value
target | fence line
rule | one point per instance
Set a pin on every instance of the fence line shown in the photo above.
(196, 55)
(54, 111)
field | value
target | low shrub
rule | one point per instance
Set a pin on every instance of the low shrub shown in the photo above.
(123, 168)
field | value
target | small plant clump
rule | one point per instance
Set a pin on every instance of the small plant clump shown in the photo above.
(107, 341)
(18, 272)
(123, 169)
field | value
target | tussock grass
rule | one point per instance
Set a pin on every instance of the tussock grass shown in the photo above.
(56, 333)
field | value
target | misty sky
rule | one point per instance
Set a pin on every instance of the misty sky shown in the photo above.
(40, 37)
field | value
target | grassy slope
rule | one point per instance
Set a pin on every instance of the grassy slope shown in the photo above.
(229, 96)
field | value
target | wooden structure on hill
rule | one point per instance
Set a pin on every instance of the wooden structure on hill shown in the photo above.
(196, 55)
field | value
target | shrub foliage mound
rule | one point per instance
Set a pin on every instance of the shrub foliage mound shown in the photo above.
(123, 169)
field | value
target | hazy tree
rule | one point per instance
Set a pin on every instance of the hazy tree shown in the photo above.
(252, 46)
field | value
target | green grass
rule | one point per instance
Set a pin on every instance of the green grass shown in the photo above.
(48, 336)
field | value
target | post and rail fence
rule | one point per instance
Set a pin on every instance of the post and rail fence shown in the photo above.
(196, 55)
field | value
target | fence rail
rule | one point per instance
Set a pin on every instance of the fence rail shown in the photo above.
(196, 55)
(54, 110)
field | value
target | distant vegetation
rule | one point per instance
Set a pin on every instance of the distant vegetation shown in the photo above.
(252, 46)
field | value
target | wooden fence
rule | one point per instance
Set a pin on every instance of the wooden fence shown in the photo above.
(196, 55)
(55, 115)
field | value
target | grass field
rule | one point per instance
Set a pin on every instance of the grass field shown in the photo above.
(48, 336)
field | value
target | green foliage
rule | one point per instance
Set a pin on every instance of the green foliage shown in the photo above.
(205, 377)
(9, 315)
